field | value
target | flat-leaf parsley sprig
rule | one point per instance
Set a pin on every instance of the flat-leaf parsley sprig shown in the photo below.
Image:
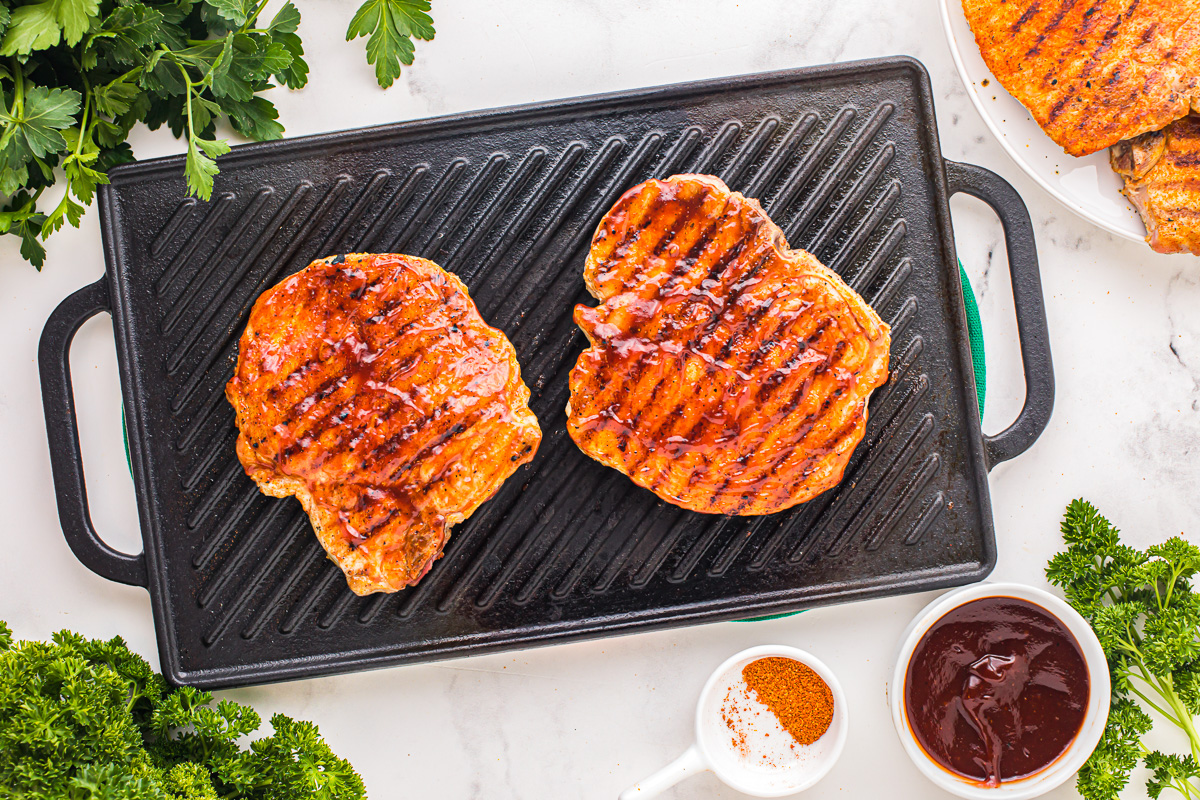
(1147, 616)
(77, 75)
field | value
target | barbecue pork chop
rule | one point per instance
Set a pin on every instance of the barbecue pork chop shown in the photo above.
(1093, 72)
(1162, 182)
(369, 387)
(727, 373)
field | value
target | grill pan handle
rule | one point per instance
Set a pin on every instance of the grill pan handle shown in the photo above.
(62, 428)
(1027, 299)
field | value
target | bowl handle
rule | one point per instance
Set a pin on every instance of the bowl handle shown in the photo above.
(1027, 300)
(686, 765)
(62, 428)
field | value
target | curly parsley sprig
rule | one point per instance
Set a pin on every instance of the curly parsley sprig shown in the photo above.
(1147, 618)
(85, 719)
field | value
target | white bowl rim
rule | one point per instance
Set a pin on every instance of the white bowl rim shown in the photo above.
(1100, 695)
(841, 716)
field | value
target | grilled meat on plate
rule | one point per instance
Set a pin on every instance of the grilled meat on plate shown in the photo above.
(1093, 72)
(369, 387)
(1162, 182)
(727, 373)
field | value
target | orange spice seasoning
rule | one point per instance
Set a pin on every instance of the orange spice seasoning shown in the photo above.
(795, 694)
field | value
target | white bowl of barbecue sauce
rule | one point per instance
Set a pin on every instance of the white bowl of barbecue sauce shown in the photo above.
(1000, 691)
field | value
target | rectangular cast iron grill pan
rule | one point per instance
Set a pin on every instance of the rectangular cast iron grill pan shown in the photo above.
(845, 158)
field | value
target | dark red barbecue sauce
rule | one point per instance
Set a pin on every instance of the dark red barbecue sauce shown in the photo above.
(996, 690)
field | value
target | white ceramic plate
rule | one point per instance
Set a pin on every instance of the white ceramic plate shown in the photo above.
(1087, 185)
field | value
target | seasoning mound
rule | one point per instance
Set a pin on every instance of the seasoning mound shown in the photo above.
(794, 693)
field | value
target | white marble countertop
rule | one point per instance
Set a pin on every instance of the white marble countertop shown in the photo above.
(584, 720)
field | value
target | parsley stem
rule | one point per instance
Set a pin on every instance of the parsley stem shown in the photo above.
(18, 88)
(253, 18)
(1146, 699)
(187, 79)
(83, 119)
(1179, 714)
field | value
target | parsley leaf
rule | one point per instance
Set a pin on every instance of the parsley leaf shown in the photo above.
(200, 167)
(391, 26)
(287, 20)
(255, 118)
(30, 28)
(74, 17)
(295, 74)
(20, 217)
(1171, 771)
(236, 11)
(42, 25)
(32, 127)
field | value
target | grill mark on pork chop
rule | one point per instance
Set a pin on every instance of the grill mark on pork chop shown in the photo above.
(718, 268)
(321, 423)
(301, 411)
(1106, 42)
(686, 264)
(1063, 8)
(804, 426)
(840, 435)
(619, 256)
(667, 237)
(1183, 160)
(773, 385)
(751, 321)
(804, 469)
(399, 336)
(1093, 73)
(442, 437)
(441, 441)
(1149, 33)
(761, 351)
(811, 420)
(1028, 15)
(1059, 106)
(769, 385)
(699, 247)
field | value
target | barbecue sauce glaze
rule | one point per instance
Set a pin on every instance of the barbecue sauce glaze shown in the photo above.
(996, 690)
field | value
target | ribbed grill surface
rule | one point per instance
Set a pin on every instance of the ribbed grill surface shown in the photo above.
(843, 160)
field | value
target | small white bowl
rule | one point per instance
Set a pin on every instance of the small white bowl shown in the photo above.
(1099, 695)
(713, 750)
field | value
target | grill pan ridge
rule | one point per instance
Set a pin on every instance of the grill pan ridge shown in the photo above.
(844, 158)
